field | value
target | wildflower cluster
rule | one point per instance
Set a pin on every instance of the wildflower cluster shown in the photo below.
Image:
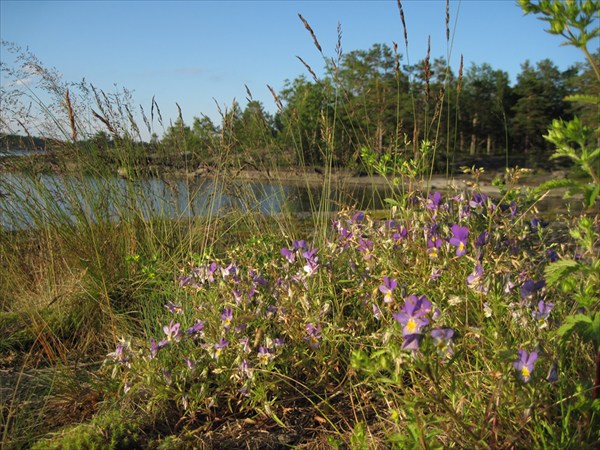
(413, 289)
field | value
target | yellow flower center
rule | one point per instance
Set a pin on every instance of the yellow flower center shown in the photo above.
(461, 246)
(388, 297)
(525, 374)
(411, 326)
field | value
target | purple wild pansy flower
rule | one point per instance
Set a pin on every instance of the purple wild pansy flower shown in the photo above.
(509, 286)
(219, 346)
(387, 289)
(258, 279)
(386, 227)
(459, 239)
(228, 271)
(411, 315)
(288, 254)
(365, 246)
(412, 342)
(552, 255)
(433, 200)
(245, 341)
(433, 245)
(120, 355)
(311, 261)
(271, 311)
(299, 245)
(476, 281)
(154, 348)
(196, 328)
(344, 236)
(245, 369)
(173, 308)
(265, 355)
(358, 217)
(238, 296)
(442, 338)
(552, 376)
(524, 365)
(464, 212)
(478, 202)
(541, 313)
(538, 224)
(212, 268)
(185, 280)
(191, 364)
(482, 239)
(377, 312)
(227, 317)
(513, 209)
(458, 198)
(530, 288)
(314, 335)
(172, 333)
(400, 233)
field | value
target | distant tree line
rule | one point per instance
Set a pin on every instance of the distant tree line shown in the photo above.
(367, 99)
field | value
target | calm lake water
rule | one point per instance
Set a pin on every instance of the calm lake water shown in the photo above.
(54, 197)
(31, 201)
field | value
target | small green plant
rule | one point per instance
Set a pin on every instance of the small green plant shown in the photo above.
(112, 430)
(580, 277)
(572, 140)
(577, 22)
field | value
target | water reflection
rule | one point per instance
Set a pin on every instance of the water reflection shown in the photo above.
(31, 201)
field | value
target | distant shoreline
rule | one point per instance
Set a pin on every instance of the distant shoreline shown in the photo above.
(299, 176)
(342, 178)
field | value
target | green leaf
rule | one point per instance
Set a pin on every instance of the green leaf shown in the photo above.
(572, 323)
(586, 327)
(594, 154)
(559, 269)
(594, 330)
(590, 194)
(583, 98)
(556, 184)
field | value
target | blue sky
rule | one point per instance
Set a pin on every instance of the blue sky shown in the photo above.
(196, 52)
